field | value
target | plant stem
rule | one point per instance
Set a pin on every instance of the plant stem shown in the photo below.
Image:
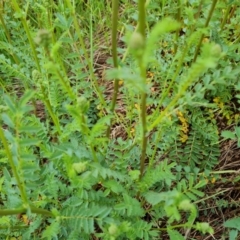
(8, 35)
(5, 212)
(115, 7)
(14, 169)
(214, 2)
(225, 17)
(141, 30)
(179, 12)
(24, 23)
(33, 48)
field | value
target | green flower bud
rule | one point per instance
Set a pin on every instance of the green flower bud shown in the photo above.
(43, 38)
(216, 50)
(36, 75)
(113, 229)
(136, 41)
(185, 205)
(134, 174)
(83, 104)
(79, 167)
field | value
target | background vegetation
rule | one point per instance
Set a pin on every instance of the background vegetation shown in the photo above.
(119, 119)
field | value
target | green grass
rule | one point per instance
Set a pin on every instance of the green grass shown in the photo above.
(128, 146)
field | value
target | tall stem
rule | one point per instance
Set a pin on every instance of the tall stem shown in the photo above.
(179, 13)
(33, 48)
(14, 169)
(7, 35)
(115, 7)
(214, 2)
(141, 30)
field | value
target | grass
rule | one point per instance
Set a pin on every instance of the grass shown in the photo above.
(120, 120)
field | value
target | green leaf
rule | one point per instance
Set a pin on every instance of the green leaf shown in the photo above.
(7, 120)
(196, 192)
(154, 198)
(30, 129)
(228, 135)
(233, 235)
(237, 131)
(26, 97)
(51, 231)
(29, 142)
(175, 235)
(10, 103)
(114, 186)
(233, 223)
(200, 184)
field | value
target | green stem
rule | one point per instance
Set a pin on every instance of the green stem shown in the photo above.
(8, 36)
(214, 2)
(225, 17)
(33, 48)
(14, 227)
(115, 7)
(24, 23)
(6, 212)
(141, 30)
(41, 211)
(136, 29)
(86, 131)
(179, 13)
(14, 169)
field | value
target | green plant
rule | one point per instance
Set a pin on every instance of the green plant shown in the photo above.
(233, 224)
(64, 175)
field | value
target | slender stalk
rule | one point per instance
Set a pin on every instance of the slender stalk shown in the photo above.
(41, 211)
(14, 169)
(33, 48)
(115, 7)
(5, 212)
(214, 2)
(179, 13)
(24, 23)
(141, 30)
(225, 17)
(136, 29)
(86, 131)
(234, 7)
(8, 35)
(14, 227)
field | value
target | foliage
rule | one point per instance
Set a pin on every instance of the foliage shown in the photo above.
(63, 175)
